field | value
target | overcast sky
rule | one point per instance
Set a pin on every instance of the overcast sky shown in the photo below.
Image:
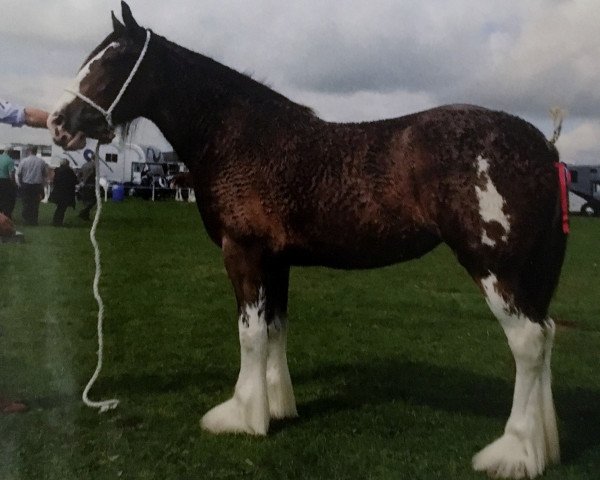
(349, 60)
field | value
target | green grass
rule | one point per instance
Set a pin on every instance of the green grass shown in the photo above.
(399, 373)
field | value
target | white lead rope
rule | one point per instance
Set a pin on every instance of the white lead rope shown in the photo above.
(103, 405)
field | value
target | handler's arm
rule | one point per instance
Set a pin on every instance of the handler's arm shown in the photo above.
(34, 117)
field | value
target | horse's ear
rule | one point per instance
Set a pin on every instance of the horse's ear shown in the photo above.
(128, 19)
(118, 27)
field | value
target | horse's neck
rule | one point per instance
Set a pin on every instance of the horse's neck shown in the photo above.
(186, 106)
(193, 96)
(175, 108)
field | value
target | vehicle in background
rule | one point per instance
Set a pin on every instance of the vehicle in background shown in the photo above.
(18, 151)
(585, 183)
(143, 170)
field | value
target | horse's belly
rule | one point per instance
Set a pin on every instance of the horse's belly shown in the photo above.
(357, 252)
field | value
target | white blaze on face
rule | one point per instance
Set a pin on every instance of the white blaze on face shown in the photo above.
(76, 83)
(491, 203)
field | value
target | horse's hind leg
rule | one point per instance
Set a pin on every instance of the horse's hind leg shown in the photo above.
(530, 439)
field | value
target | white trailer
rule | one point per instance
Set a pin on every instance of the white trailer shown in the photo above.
(143, 169)
(18, 151)
(119, 162)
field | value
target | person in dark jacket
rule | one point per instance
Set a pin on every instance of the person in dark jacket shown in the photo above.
(63, 191)
(87, 191)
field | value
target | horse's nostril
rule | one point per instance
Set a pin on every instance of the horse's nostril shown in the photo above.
(58, 120)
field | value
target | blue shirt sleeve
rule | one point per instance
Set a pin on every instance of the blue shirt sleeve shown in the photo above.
(11, 114)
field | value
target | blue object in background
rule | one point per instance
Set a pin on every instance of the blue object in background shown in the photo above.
(118, 192)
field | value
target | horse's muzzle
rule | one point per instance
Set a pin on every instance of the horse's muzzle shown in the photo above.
(61, 136)
(75, 141)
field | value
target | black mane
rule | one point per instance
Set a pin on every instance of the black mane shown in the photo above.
(238, 84)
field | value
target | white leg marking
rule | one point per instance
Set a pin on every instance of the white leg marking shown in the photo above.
(491, 203)
(282, 403)
(248, 410)
(530, 440)
(550, 427)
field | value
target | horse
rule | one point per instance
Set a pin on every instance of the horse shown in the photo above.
(276, 187)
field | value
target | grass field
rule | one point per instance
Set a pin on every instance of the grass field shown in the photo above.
(399, 373)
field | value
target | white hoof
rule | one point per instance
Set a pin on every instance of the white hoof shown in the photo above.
(232, 417)
(510, 457)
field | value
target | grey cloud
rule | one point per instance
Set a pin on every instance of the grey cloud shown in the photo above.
(31, 56)
(349, 60)
(338, 64)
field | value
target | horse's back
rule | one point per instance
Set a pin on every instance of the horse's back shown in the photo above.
(371, 194)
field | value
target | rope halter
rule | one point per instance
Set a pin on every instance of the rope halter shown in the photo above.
(107, 114)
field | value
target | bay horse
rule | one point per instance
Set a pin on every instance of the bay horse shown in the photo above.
(277, 187)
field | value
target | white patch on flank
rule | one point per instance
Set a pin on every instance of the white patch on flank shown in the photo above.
(530, 440)
(76, 83)
(500, 307)
(248, 410)
(282, 403)
(491, 203)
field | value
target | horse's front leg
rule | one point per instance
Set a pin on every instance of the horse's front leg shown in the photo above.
(248, 410)
(282, 403)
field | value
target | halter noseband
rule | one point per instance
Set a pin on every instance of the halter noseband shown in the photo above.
(108, 113)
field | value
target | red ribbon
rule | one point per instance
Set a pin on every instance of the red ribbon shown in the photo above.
(564, 180)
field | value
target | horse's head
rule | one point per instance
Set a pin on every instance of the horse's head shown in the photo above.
(100, 96)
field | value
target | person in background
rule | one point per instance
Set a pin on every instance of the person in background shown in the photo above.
(8, 187)
(18, 116)
(87, 184)
(32, 173)
(63, 191)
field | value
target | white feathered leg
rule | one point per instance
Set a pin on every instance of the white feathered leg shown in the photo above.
(530, 440)
(550, 427)
(282, 403)
(248, 410)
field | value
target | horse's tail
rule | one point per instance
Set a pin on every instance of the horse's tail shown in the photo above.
(548, 253)
(558, 115)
